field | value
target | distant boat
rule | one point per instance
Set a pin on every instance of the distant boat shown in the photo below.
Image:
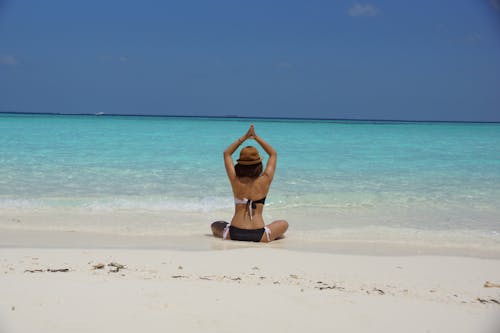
(99, 113)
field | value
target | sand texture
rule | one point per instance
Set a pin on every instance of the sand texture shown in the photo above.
(244, 290)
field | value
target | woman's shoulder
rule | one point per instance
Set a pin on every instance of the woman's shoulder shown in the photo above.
(257, 185)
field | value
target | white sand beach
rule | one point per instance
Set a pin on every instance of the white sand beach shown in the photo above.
(364, 135)
(244, 289)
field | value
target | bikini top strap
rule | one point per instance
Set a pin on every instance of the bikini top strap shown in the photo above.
(260, 201)
(251, 204)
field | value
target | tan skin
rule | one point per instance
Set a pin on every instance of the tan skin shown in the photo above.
(251, 188)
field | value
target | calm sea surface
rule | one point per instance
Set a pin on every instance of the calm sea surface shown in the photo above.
(417, 176)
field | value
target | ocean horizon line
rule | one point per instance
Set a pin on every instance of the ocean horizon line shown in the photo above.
(361, 120)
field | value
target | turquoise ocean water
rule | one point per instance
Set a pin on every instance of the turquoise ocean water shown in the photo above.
(332, 175)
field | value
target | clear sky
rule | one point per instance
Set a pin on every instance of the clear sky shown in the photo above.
(408, 60)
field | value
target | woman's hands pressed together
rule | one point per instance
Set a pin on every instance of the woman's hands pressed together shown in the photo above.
(250, 134)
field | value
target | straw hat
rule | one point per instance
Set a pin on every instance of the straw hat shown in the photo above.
(249, 156)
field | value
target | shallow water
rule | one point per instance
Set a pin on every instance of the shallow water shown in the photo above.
(332, 176)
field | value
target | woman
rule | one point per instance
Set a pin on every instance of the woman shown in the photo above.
(250, 186)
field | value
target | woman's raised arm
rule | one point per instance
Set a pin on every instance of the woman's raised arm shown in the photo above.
(273, 155)
(228, 159)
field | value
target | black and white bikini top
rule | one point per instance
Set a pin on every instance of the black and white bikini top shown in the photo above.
(251, 204)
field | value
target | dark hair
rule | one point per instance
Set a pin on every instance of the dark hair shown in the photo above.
(252, 171)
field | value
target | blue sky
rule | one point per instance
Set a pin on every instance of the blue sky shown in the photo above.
(408, 60)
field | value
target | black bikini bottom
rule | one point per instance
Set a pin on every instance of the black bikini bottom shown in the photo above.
(249, 235)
